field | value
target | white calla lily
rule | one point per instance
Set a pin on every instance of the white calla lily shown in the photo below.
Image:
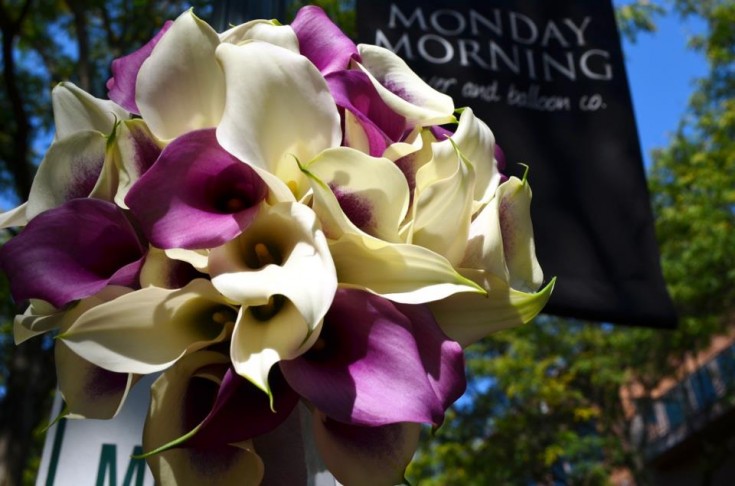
(262, 30)
(443, 209)
(476, 142)
(372, 191)
(88, 390)
(500, 256)
(134, 150)
(283, 252)
(398, 271)
(419, 103)
(41, 317)
(72, 168)
(265, 335)
(147, 330)
(501, 238)
(76, 110)
(467, 318)
(279, 110)
(282, 273)
(14, 217)
(181, 87)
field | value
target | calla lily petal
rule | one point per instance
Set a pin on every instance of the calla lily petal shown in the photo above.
(371, 191)
(196, 195)
(501, 238)
(134, 150)
(238, 398)
(76, 110)
(476, 142)
(401, 272)
(180, 87)
(402, 89)
(148, 330)
(283, 252)
(259, 342)
(88, 390)
(443, 210)
(41, 317)
(227, 465)
(365, 456)
(278, 111)
(72, 252)
(468, 318)
(353, 91)
(71, 169)
(121, 86)
(377, 363)
(180, 399)
(262, 30)
(160, 270)
(14, 217)
(321, 41)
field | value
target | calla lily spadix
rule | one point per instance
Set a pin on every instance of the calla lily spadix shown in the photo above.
(281, 272)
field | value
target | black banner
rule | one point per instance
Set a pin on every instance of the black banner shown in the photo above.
(548, 78)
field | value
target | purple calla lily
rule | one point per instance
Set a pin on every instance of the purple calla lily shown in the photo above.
(322, 42)
(121, 86)
(73, 251)
(378, 363)
(353, 91)
(196, 195)
(237, 398)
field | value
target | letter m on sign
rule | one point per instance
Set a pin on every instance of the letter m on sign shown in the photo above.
(107, 470)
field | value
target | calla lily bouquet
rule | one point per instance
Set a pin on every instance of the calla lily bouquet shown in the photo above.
(268, 216)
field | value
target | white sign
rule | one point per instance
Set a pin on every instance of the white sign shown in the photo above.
(98, 452)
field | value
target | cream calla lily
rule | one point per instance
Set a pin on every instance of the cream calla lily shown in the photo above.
(170, 417)
(372, 191)
(88, 390)
(262, 30)
(181, 87)
(147, 330)
(76, 110)
(279, 110)
(501, 238)
(281, 271)
(500, 256)
(476, 142)
(398, 271)
(420, 103)
(70, 169)
(134, 150)
(443, 209)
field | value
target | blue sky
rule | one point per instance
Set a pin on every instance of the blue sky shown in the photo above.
(661, 71)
